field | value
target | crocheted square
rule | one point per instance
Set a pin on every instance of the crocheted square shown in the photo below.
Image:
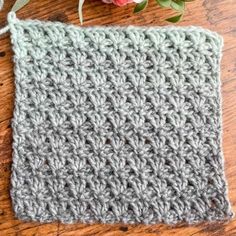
(117, 124)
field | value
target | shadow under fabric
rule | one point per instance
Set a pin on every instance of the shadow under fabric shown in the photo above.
(116, 124)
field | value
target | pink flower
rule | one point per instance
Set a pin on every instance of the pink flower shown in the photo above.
(121, 2)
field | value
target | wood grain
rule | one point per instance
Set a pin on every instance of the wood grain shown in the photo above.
(217, 15)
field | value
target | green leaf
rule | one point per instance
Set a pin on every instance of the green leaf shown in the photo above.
(164, 3)
(174, 19)
(178, 5)
(19, 4)
(141, 6)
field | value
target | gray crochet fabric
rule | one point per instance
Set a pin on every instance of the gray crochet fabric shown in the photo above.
(116, 124)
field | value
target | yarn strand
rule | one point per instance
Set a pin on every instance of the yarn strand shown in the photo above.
(16, 7)
(1, 4)
(4, 29)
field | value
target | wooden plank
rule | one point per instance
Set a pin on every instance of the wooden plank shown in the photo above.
(217, 15)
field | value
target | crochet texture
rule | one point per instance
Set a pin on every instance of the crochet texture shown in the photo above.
(116, 124)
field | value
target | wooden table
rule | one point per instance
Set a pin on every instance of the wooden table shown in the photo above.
(217, 15)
